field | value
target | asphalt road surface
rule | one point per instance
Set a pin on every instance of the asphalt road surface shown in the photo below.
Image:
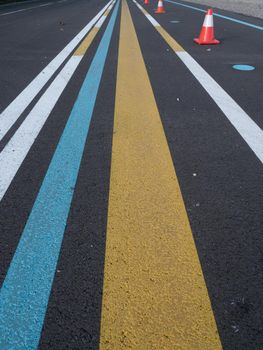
(131, 180)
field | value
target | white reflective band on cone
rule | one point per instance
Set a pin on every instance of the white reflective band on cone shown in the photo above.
(208, 22)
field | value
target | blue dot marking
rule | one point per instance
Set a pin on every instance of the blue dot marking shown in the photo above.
(244, 67)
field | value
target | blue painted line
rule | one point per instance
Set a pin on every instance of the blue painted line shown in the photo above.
(26, 289)
(243, 67)
(217, 15)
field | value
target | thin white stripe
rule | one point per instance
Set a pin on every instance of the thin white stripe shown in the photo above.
(26, 9)
(100, 21)
(208, 22)
(246, 127)
(18, 147)
(49, 3)
(14, 4)
(12, 112)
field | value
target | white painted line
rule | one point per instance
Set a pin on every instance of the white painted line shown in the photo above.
(19, 3)
(153, 21)
(246, 127)
(26, 9)
(49, 3)
(12, 112)
(140, 7)
(18, 147)
(102, 19)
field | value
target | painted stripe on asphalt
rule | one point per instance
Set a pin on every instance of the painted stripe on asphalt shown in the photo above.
(25, 291)
(153, 21)
(19, 145)
(14, 153)
(14, 4)
(13, 111)
(217, 15)
(154, 294)
(241, 121)
(26, 9)
(81, 50)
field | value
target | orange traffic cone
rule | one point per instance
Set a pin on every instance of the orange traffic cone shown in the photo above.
(207, 36)
(160, 8)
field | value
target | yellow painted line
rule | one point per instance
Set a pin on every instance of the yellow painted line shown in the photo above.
(154, 294)
(169, 39)
(83, 47)
(81, 50)
(251, 133)
(107, 12)
(166, 36)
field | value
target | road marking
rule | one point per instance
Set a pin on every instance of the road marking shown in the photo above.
(217, 15)
(14, 153)
(243, 67)
(26, 288)
(26, 9)
(13, 111)
(88, 40)
(241, 121)
(154, 292)
(19, 3)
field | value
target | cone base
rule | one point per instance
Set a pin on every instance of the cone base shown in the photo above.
(159, 11)
(209, 42)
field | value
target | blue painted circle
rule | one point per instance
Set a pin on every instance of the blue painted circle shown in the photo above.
(245, 67)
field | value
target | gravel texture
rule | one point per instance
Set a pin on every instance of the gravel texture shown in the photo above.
(247, 7)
